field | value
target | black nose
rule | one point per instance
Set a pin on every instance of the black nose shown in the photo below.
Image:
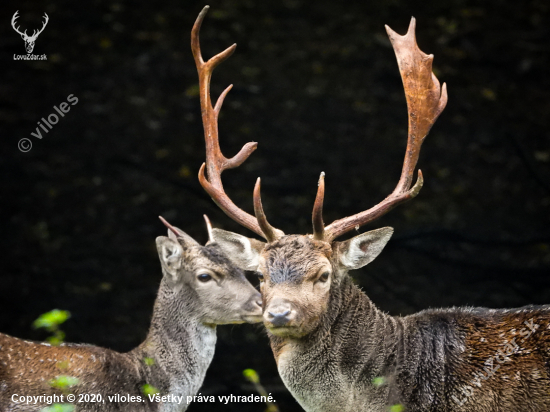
(279, 318)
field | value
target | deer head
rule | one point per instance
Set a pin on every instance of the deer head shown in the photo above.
(221, 292)
(29, 40)
(298, 272)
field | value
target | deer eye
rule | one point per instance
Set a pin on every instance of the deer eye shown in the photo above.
(260, 276)
(204, 277)
(324, 277)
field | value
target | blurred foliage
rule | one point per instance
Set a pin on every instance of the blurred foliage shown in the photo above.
(148, 361)
(51, 321)
(378, 381)
(149, 390)
(252, 376)
(59, 407)
(63, 382)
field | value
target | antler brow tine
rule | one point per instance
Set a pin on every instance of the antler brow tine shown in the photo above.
(425, 102)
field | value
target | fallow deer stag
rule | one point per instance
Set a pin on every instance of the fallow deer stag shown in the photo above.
(200, 289)
(335, 350)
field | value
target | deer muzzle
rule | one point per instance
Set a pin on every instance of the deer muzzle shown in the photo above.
(253, 309)
(278, 314)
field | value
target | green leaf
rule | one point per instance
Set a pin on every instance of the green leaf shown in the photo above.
(59, 407)
(378, 381)
(52, 319)
(63, 382)
(149, 390)
(397, 408)
(148, 361)
(57, 338)
(251, 375)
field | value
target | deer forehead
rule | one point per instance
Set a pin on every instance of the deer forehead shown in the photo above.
(294, 258)
(211, 257)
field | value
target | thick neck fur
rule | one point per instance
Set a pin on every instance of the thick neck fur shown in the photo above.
(181, 350)
(331, 368)
(173, 359)
(457, 359)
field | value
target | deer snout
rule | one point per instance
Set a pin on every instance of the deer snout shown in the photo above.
(253, 308)
(279, 313)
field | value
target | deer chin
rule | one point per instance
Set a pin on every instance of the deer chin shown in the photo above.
(238, 319)
(294, 332)
(252, 318)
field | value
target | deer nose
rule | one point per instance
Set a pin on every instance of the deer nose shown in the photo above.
(279, 319)
(278, 314)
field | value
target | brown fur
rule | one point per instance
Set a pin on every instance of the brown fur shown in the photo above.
(506, 359)
(43, 362)
(338, 352)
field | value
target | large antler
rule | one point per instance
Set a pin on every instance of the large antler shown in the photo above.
(216, 162)
(425, 102)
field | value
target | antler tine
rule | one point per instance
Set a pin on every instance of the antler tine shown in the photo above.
(425, 102)
(317, 216)
(271, 234)
(209, 229)
(216, 162)
(174, 230)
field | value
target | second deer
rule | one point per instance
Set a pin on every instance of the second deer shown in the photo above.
(335, 350)
(200, 289)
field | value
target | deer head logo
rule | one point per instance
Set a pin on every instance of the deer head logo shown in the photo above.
(29, 40)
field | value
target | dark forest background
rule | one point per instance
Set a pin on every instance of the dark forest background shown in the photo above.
(317, 85)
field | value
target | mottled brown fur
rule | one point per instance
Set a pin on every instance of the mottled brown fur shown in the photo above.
(506, 362)
(30, 366)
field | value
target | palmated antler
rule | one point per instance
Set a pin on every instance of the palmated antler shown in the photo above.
(216, 162)
(425, 102)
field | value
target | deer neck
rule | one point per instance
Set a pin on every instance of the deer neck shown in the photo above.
(354, 344)
(179, 348)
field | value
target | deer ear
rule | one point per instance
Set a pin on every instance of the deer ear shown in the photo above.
(363, 249)
(170, 254)
(242, 251)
